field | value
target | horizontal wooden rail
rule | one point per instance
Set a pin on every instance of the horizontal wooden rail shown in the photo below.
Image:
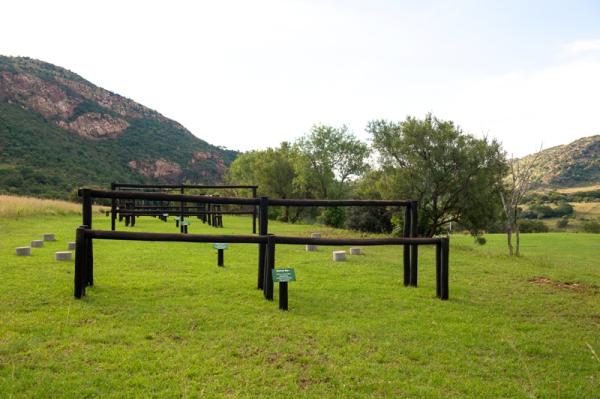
(173, 197)
(356, 241)
(179, 186)
(173, 237)
(355, 202)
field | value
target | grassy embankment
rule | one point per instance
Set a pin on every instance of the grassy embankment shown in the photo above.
(164, 321)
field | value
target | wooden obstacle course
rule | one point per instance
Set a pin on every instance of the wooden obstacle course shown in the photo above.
(210, 213)
(266, 242)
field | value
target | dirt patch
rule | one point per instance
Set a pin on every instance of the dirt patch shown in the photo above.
(563, 285)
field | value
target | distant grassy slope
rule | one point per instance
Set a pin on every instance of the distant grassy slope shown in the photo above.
(14, 207)
(164, 321)
(570, 165)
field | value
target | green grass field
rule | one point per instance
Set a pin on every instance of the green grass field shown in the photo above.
(164, 321)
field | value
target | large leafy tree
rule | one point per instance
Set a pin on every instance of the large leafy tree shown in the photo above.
(451, 174)
(334, 155)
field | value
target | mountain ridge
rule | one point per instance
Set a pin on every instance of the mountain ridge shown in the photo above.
(569, 165)
(53, 114)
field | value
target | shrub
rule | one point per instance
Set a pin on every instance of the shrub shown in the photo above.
(593, 226)
(371, 219)
(562, 222)
(333, 216)
(479, 239)
(532, 226)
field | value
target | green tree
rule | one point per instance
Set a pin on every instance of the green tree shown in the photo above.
(334, 155)
(452, 175)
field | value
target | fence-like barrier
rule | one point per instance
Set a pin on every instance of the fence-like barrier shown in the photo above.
(84, 270)
(209, 213)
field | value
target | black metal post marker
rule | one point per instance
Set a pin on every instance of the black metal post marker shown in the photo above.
(283, 295)
(220, 255)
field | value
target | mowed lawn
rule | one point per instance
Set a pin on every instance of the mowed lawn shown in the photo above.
(164, 321)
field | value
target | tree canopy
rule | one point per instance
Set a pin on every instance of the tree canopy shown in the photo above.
(451, 174)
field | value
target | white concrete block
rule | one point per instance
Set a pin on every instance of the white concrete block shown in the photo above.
(356, 251)
(49, 237)
(311, 248)
(339, 256)
(37, 243)
(63, 255)
(23, 251)
(71, 246)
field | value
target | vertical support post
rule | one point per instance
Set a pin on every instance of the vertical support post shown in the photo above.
(181, 190)
(87, 222)
(263, 219)
(269, 266)
(445, 268)
(406, 233)
(220, 257)
(113, 209)
(254, 211)
(414, 249)
(79, 275)
(283, 295)
(438, 269)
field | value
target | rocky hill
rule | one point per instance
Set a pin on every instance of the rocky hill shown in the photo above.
(569, 165)
(59, 131)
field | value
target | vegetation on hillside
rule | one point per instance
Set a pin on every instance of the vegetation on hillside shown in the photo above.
(569, 165)
(40, 155)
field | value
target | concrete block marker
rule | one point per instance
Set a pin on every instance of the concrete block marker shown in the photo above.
(63, 255)
(356, 251)
(37, 243)
(339, 256)
(49, 237)
(310, 247)
(71, 246)
(23, 251)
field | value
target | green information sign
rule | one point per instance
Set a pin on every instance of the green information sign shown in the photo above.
(283, 275)
(220, 245)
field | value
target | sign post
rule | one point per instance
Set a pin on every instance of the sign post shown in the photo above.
(220, 247)
(283, 276)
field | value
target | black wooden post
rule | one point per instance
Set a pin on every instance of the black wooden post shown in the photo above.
(438, 269)
(89, 250)
(414, 250)
(253, 212)
(445, 268)
(283, 295)
(79, 277)
(113, 209)
(181, 211)
(406, 233)
(263, 219)
(220, 256)
(269, 266)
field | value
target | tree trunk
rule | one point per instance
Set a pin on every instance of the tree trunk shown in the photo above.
(509, 240)
(518, 239)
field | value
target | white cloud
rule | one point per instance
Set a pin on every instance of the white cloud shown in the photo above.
(583, 46)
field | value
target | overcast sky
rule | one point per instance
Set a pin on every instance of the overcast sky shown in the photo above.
(250, 74)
